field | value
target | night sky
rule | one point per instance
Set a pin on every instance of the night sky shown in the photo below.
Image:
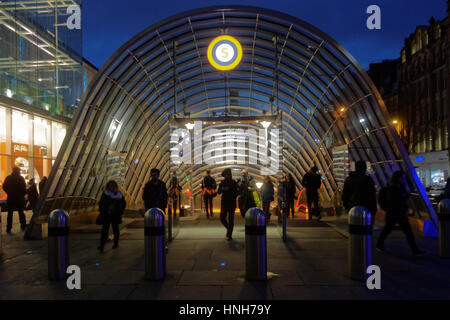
(108, 24)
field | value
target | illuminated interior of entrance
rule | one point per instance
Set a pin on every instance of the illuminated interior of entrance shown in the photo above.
(290, 70)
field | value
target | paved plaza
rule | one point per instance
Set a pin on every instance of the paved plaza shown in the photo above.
(203, 265)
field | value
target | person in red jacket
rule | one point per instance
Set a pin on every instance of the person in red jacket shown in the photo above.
(16, 188)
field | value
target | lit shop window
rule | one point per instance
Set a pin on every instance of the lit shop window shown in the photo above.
(41, 132)
(58, 135)
(20, 128)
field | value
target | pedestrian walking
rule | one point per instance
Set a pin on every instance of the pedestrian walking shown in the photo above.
(15, 188)
(359, 190)
(229, 190)
(32, 193)
(155, 192)
(446, 194)
(394, 201)
(42, 184)
(312, 182)
(290, 194)
(111, 206)
(209, 191)
(267, 192)
(246, 187)
(281, 195)
(174, 196)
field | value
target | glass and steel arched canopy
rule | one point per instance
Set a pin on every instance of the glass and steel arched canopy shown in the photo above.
(317, 94)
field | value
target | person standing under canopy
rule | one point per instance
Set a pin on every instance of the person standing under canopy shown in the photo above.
(229, 190)
(312, 182)
(209, 191)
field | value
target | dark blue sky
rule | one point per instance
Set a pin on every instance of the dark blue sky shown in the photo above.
(107, 24)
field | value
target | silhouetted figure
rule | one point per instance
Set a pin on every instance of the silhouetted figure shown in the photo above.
(397, 212)
(174, 195)
(229, 190)
(359, 190)
(42, 184)
(281, 195)
(155, 192)
(312, 182)
(290, 194)
(209, 191)
(112, 205)
(446, 194)
(246, 186)
(33, 194)
(15, 187)
(267, 192)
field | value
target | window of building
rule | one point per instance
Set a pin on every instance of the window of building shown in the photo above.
(58, 135)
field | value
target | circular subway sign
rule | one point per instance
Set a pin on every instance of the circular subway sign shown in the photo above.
(224, 53)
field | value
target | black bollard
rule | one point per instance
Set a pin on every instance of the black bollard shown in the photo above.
(155, 255)
(444, 228)
(360, 242)
(58, 244)
(255, 245)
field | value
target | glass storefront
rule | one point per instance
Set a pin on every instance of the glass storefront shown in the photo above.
(28, 142)
(41, 54)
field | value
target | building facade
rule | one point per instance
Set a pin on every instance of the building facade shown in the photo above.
(42, 79)
(418, 98)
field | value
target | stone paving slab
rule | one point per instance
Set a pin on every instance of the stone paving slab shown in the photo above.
(203, 265)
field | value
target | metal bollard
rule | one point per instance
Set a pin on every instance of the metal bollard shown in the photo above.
(444, 228)
(155, 255)
(255, 245)
(360, 242)
(58, 244)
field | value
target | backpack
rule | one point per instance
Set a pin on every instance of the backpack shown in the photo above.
(383, 198)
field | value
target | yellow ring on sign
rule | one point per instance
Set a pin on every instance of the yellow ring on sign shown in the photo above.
(230, 66)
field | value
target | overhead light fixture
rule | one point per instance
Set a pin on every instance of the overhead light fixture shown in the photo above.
(342, 109)
(259, 185)
(362, 120)
(190, 126)
(266, 124)
(395, 122)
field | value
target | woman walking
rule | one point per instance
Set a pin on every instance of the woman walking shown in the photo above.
(111, 205)
(267, 193)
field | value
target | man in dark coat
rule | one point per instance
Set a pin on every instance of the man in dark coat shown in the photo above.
(290, 194)
(42, 184)
(16, 188)
(397, 212)
(155, 192)
(359, 190)
(229, 190)
(246, 186)
(209, 186)
(33, 194)
(312, 182)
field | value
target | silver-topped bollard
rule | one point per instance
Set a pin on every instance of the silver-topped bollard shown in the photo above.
(58, 244)
(255, 245)
(444, 228)
(360, 242)
(155, 255)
